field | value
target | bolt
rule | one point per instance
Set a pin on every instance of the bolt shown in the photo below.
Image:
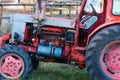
(15, 66)
(114, 57)
(117, 65)
(114, 61)
(117, 54)
(118, 59)
(111, 62)
(18, 63)
(11, 65)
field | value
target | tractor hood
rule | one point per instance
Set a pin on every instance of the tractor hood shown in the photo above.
(19, 21)
(65, 23)
(48, 21)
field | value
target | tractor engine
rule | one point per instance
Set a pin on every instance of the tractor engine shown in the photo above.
(50, 41)
(46, 40)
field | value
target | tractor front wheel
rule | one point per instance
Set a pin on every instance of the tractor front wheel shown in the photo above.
(15, 63)
(103, 54)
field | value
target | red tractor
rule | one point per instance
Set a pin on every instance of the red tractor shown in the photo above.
(91, 41)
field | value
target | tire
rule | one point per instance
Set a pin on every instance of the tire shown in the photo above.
(102, 54)
(35, 63)
(15, 63)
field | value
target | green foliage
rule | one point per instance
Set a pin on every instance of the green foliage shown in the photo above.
(53, 71)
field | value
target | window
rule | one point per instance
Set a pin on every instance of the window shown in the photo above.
(97, 4)
(116, 7)
(88, 23)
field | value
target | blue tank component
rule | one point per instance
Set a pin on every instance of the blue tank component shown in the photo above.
(49, 51)
(44, 50)
(57, 52)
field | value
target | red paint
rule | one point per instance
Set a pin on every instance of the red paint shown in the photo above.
(35, 42)
(78, 58)
(107, 17)
(78, 24)
(26, 33)
(12, 66)
(110, 17)
(53, 30)
(113, 59)
(57, 43)
(66, 52)
(4, 38)
(29, 48)
(110, 60)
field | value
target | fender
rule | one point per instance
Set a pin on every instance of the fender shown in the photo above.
(4, 38)
(92, 34)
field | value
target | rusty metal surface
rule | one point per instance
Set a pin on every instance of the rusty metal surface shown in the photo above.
(59, 22)
(20, 20)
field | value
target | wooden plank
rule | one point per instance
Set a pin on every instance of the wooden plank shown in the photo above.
(51, 10)
(5, 16)
(60, 11)
(65, 1)
(69, 11)
(24, 9)
(1, 13)
(65, 9)
(51, 6)
(8, 4)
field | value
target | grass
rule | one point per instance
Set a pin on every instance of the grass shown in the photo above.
(54, 71)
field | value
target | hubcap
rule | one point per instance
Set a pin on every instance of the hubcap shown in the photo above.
(11, 66)
(110, 60)
(113, 60)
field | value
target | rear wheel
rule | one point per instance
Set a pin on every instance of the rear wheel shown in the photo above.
(103, 55)
(15, 63)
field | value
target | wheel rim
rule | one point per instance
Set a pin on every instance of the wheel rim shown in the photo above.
(11, 66)
(110, 60)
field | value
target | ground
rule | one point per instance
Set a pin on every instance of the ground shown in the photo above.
(54, 71)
